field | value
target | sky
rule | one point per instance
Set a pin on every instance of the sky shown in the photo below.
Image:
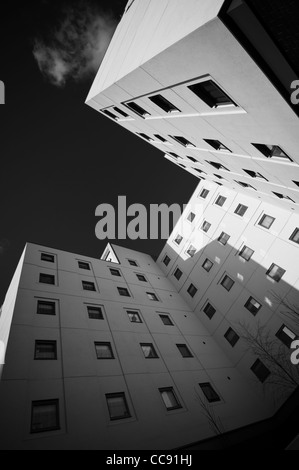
(59, 158)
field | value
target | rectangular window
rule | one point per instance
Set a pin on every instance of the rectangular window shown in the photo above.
(220, 201)
(149, 351)
(134, 316)
(241, 210)
(260, 370)
(145, 136)
(120, 111)
(223, 239)
(211, 94)
(191, 217)
(232, 337)
(46, 308)
(266, 221)
(255, 174)
(246, 253)
(159, 137)
(137, 109)
(184, 350)
(217, 145)
(285, 335)
(166, 320)
(115, 272)
(192, 290)
(95, 312)
(283, 196)
(272, 151)
(117, 406)
(295, 236)
(109, 114)
(207, 265)
(45, 351)
(141, 277)
(191, 251)
(181, 140)
(166, 260)
(178, 274)
(84, 265)
(47, 257)
(47, 279)
(132, 262)
(275, 272)
(178, 239)
(245, 185)
(253, 306)
(209, 392)
(206, 226)
(164, 104)
(204, 193)
(209, 310)
(227, 283)
(152, 296)
(169, 398)
(45, 416)
(88, 286)
(123, 291)
(104, 350)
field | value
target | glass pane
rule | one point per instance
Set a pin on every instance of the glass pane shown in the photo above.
(117, 407)
(44, 417)
(103, 351)
(169, 399)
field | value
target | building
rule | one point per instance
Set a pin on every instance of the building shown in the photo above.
(209, 84)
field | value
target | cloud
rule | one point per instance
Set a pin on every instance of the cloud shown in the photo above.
(77, 46)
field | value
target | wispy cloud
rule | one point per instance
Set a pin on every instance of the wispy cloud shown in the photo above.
(77, 46)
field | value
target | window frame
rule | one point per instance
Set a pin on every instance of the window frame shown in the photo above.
(235, 338)
(243, 250)
(41, 403)
(136, 313)
(263, 218)
(39, 342)
(95, 307)
(160, 100)
(192, 289)
(123, 291)
(259, 364)
(174, 395)
(206, 97)
(153, 352)
(86, 283)
(273, 265)
(241, 210)
(44, 275)
(121, 395)
(109, 348)
(184, 350)
(224, 278)
(40, 301)
(215, 397)
(256, 310)
(50, 256)
(86, 264)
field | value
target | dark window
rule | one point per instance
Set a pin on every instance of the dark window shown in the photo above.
(192, 159)
(227, 283)
(253, 305)
(115, 272)
(219, 177)
(241, 210)
(47, 257)
(137, 109)
(296, 183)
(191, 251)
(163, 103)
(223, 239)
(191, 217)
(285, 335)
(207, 265)
(45, 416)
(217, 145)
(134, 316)
(199, 171)
(232, 337)
(141, 277)
(174, 155)
(88, 286)
(159, 137)
(132, 262)
(184, 350)
(181, 140)
(178, 274)
(211, 94)
(266, 221)
(295, 236)
(254, 174)
(206, 226)
(208, 391)
(45, 350)
(192, 290)
(117, 406)
(47, 279)
(209, 310)
(83, 265)
(152, 296)
(123, 291)
(245, 185)
(220, 201)
(95, 312)
(120, 111)
(46, 308)
(272, 151)
(169, 398)
(149, 351)
(166, 320)
(204, 193)
(109, 114)
(275, 272)
(283, 196)
(166, 260)
(260, 370)
(246, 253)
(178, 239)
(104, 350)
(145, 136)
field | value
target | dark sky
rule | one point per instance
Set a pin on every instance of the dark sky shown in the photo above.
(59, 158)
